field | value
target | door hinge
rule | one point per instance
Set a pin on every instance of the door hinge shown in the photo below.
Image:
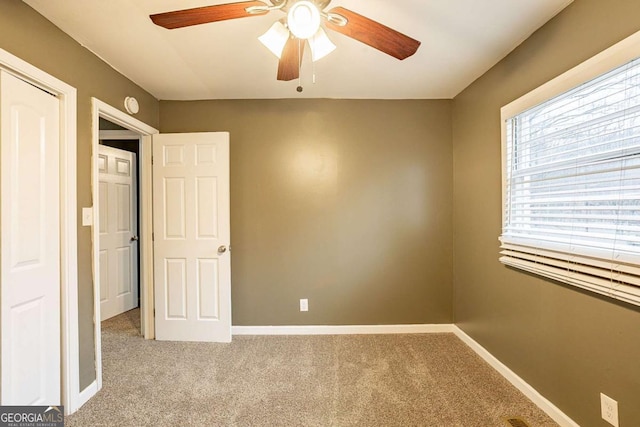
(153, 237)
(151, 160)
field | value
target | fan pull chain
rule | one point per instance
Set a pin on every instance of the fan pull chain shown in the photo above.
(299, 88)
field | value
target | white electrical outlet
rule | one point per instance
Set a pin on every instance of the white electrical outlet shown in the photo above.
(609, 410)
(304, 304)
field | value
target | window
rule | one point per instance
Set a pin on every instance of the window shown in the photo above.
(571, 175)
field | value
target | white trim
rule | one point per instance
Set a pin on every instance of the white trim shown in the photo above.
(542, 402)
(146, 243)
(143, 132)
(118, 134)
(341, 329)
(68, 223)
(87, 393)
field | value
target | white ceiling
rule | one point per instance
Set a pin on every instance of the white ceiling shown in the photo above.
(461, 39)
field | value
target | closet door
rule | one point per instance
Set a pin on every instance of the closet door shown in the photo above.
(30, 244)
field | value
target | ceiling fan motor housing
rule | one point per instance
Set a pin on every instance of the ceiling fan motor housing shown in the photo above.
(321, 4)
(303, 19)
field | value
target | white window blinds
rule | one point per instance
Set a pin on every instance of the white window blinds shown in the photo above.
(572, 186)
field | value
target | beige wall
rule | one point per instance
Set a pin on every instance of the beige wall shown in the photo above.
(568, 344)
(26, 34)
(347, 203)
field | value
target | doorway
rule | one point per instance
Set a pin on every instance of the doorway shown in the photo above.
(210, 281)
(125, 127)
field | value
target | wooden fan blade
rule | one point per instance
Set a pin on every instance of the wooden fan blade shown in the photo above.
(291, 59)
(206, 14)
(374, 34)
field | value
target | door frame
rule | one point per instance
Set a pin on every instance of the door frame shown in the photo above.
(67, 96)
(100, 109)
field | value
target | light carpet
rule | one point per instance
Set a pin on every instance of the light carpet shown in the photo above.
(339, 380)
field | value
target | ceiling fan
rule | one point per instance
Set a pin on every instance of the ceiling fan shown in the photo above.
(302, 25)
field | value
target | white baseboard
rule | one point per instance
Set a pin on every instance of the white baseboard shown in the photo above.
(341, 330)
(88, 393)
(549, 408)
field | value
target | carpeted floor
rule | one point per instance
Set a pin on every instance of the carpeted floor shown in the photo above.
(352, 380)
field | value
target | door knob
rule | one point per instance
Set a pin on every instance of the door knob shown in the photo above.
(133, 239)
(222, 249)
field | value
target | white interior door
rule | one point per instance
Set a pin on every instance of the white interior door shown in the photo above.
(118, 227)
(30, 244)
(192, 263)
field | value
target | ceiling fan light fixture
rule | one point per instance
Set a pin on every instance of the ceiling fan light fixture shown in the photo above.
(275, 38)
(303, 19)
(321, 45)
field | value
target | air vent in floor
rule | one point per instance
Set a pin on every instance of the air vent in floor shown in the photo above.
(516, 422)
